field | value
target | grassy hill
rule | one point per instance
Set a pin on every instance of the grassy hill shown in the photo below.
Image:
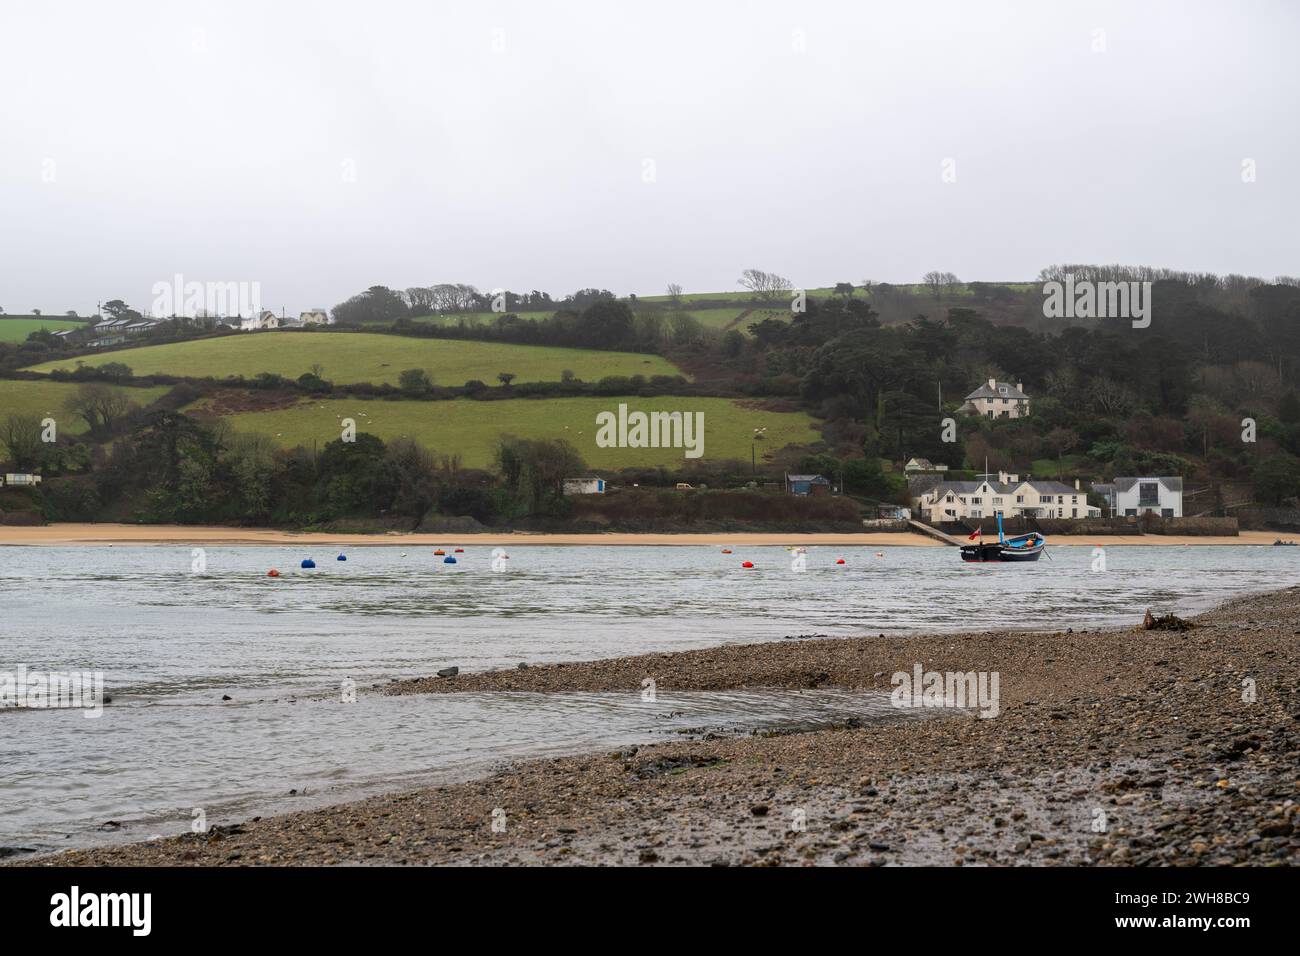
(366, 357)
(13, 329)
(44, 399)
(472, 428)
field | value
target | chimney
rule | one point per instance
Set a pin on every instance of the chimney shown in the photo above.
(1076, 484)
(1020, 386)
(993, 384)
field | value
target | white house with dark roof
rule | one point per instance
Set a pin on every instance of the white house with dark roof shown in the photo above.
(996, 399)
(984, 498)
(1128, 497)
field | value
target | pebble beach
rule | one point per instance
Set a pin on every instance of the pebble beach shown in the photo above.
(1110, 747)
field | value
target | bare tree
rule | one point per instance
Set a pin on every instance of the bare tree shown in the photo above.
(941, 284)
(420, 299)
(453, 297)
(767, 286)
(675, 293)
(21, 437)
(100, 406)
(1109, 396)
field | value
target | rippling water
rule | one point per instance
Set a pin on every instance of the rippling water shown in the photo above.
(171, 643)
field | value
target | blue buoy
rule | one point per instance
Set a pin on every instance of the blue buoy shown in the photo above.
(448, 560)
(343, 557)
(308, 563)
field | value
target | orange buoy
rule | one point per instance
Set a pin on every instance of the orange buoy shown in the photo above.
(840, 561)
(273, 573)
(880, 554)
(726, 551)
(440, 552)
(747, 564)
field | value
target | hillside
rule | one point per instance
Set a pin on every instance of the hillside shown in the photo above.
(365, 357)
(16, 329)
(47, 400)
(471, 429)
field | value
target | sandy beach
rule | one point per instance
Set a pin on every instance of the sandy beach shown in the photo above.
(1110, 747)
(125, 534)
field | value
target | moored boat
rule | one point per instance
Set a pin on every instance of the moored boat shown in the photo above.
(1022, 547)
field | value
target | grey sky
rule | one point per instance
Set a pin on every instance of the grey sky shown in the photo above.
(505, 144)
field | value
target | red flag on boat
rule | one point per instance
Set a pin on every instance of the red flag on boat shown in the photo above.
(979, 533)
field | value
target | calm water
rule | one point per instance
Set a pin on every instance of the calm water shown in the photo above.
(171, 643)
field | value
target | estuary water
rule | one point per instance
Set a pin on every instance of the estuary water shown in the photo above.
(173, 632)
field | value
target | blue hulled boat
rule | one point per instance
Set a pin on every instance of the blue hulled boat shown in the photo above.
(1023, 547)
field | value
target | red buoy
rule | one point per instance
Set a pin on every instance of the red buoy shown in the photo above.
(273, 573)
(840, 561)
(726, 551)
(460, 550)
(747, 564)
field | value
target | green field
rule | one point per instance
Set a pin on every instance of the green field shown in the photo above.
(472, 428)
(17, 330)
(46, 399)
(366, 357)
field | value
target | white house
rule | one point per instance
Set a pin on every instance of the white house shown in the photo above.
(958, 500)
(266, 319)
(584, 486)
(922, 465)
(315, 317)
(1140, 496)
(21, 480)
(996, 399)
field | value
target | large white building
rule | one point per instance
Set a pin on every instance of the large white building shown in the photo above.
(996, 399)
(984, 498)
(1127, 497)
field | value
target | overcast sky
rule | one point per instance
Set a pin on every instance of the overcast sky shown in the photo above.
(322, 147)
